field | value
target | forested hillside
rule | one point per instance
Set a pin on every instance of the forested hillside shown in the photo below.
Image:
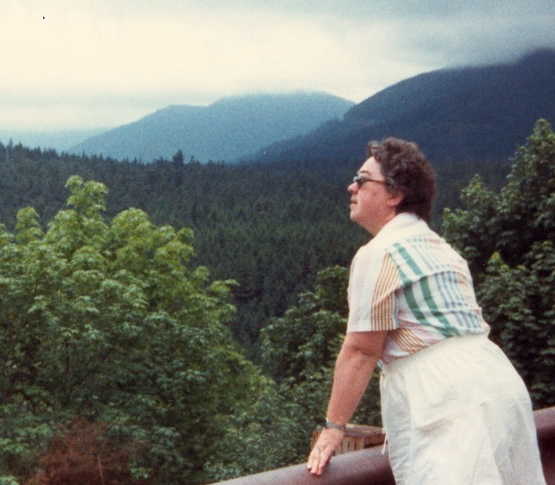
(270, 227)
(117, 350)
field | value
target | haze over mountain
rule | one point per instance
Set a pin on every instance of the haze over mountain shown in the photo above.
(225, 130)
(60, 141)
(478, 113)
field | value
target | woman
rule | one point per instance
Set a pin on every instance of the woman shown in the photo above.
(454, 409)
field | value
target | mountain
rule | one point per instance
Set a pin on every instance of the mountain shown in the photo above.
(472, 113)
(225, 130)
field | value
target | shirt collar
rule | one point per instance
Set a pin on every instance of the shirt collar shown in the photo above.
(399, 223)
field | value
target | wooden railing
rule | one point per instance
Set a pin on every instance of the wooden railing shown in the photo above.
(371, 467)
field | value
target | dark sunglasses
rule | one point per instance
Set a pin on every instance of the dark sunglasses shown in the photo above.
(360, 179)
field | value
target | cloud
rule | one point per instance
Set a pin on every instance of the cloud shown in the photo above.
(90, 63)
(482, 37)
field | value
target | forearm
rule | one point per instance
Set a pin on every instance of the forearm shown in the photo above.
(353, 371)
(354, 366)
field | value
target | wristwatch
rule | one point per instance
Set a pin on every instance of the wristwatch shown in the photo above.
(331, 424)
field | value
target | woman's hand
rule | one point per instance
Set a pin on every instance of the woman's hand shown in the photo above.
(324, 449)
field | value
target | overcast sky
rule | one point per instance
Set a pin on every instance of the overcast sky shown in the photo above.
(83, 64)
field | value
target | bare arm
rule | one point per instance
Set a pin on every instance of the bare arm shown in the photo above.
(354, 366)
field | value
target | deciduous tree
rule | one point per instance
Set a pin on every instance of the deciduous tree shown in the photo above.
(508, 238)
(107, 321)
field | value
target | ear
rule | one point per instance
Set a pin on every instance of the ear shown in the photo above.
(395, 198)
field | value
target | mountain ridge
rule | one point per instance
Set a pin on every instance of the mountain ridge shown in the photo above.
(227, 129)
(476, 112)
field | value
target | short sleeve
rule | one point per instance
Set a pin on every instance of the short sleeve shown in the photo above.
(373, 281)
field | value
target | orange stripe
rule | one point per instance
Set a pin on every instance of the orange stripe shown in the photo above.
(407, 340)
(383, 299)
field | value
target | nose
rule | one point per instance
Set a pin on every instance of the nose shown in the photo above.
(352, 188)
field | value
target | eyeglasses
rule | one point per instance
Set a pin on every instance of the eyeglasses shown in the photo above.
(360, 179)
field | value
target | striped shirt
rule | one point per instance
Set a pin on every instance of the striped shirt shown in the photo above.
(409, 281)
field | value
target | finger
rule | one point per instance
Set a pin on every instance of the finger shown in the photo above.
(323, 461)
(313, 460)
(318, 460)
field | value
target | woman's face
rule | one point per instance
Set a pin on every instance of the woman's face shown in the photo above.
(372, 206)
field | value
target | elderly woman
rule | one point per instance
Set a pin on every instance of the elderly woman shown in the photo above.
(454, 409)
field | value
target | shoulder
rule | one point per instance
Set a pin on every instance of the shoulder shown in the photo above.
(423, 255)
(397, 233)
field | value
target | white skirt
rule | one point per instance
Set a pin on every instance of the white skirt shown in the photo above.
(458, 413)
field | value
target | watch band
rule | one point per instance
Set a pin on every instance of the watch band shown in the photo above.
(331, 424)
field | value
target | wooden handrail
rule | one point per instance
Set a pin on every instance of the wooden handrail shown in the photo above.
(370, 466)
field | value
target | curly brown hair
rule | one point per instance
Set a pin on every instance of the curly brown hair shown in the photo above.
(406, 169)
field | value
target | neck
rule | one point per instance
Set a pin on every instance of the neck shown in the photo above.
(374, 230)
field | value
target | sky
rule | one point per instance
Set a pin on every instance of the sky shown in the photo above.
(90, 64)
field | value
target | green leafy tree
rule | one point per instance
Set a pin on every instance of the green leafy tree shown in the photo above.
(108, 322)
(508, 238)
